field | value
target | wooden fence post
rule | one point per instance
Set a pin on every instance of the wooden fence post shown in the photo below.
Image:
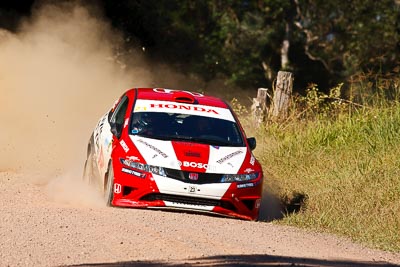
(282, 94)
(259, 107)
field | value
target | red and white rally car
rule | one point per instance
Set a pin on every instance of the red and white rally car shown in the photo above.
(169, 149)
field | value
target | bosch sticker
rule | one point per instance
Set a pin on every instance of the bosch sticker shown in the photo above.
(197, 165)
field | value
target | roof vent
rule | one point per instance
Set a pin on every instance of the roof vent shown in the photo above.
(184, 97)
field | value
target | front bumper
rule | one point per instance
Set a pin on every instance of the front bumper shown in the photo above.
(238, 200)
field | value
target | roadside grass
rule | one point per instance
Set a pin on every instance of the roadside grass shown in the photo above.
(344, 161)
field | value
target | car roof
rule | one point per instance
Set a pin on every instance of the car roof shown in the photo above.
(180, 96)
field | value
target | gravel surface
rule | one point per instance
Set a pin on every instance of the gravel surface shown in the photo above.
(61, 222)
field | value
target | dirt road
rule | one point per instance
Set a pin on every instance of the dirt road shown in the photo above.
(61, 223)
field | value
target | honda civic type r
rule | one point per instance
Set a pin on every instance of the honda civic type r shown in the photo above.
(168, 149)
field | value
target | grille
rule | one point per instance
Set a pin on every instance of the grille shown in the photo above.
(189, 200)
(204, 178)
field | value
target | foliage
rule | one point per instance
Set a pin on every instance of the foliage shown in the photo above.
(330, 41)
(249, 34)
(373, 88)
(348, 170)
(247, 42)
(342, 158)
(349, 36)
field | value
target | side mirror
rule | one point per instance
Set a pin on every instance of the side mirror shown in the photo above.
(116, 129)
(252, 142)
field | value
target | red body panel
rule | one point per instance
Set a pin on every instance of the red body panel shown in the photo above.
(139, 189)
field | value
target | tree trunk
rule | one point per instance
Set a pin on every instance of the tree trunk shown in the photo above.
(285, 49)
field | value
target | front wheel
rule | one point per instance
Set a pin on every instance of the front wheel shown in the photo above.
(88, 170)
(108, 191)
(89, 174)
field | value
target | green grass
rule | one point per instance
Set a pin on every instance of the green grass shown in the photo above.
(348, 166)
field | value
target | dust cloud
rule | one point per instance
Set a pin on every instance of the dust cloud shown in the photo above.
(59, 73)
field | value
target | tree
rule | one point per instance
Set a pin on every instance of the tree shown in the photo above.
(350, 36)
(323, 42)
(247, 39)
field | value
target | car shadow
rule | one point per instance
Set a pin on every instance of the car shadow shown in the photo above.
(275, 207)
(243, 260)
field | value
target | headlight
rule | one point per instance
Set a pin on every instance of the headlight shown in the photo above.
(230, 178)
(156, 170)
(144, 167)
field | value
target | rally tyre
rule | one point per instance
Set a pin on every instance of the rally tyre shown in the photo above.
(88, 170)
(109, 192)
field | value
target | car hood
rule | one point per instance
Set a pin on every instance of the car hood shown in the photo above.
(190, 156)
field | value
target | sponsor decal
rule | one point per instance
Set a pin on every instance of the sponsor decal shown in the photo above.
(192, 154)
(132, 158)
(184, 143)
(197, 165)
(147, 105)
(132, 172)
(229, 156)
(140, 108)
(246, 185)
(252, 160)
(98, 130)
(117, 188)
(153, 148)
(170, 91)
(248, 170)
(193, 176)
(124, 146)
(183, 107)
(126, 122)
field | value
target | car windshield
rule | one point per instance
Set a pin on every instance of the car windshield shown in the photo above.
(184, 127)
